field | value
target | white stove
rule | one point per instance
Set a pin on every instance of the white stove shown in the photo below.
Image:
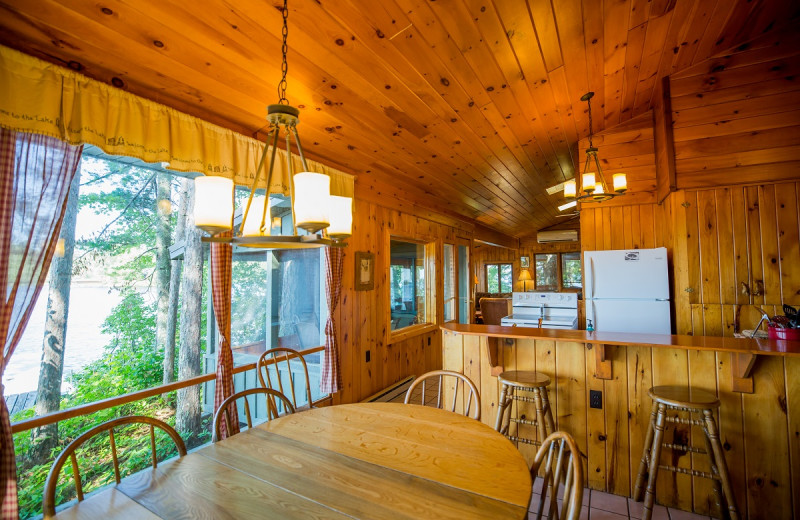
(557, 310)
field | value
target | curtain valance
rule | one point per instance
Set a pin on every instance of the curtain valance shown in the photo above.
(42, 98)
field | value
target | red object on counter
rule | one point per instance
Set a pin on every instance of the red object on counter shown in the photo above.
(788, 334)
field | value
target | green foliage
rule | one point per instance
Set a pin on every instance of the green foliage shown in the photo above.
(129, 363)
(126, 196)
(248, 297)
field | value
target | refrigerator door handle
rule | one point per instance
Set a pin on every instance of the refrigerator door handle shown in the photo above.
(591, 271)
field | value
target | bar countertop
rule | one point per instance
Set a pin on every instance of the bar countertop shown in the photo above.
(716, 343)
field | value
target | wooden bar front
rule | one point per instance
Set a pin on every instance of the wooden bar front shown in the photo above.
(760, 431)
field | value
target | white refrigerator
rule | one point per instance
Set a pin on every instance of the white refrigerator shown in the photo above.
(627, 290)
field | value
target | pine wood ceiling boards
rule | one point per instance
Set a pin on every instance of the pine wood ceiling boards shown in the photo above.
(475, 103)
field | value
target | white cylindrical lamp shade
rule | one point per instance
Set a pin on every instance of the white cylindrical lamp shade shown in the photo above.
(570, 189)
(620, 182)
(588, 182)
(213, 204)
(341, 217)
(598, 188)
(312, 194)
(251, 227)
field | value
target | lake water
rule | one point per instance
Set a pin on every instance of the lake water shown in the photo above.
(88, 307)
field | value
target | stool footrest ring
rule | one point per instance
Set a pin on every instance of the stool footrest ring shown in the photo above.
(681, 420)
(692, 472)
(684, 447)
(523, 440)
(524, 421)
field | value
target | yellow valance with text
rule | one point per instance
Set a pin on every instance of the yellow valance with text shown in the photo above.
(42, 98)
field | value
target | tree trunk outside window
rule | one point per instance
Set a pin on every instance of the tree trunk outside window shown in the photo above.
(48, 396)
(189, 356)
(163, 264)
(174, 286)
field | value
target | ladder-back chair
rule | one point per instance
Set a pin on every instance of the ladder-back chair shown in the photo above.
(283, 357)
(468, 390)
(48, 502)
(560, 460)
(224, 413)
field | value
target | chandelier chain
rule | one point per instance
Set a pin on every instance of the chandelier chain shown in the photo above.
(589, 102)
(284, 49)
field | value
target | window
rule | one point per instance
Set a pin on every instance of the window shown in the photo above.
(571, 270)
(407, 282)
(499, 278)
(558, 271)
(546, 272)
(449, 283)
(132, 256)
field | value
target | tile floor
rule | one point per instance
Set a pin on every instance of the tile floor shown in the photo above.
(596, 504)
(605, 506)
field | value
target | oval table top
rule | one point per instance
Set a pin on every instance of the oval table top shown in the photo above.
(365, 460)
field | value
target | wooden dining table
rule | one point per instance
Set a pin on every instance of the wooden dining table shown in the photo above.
(366, 460)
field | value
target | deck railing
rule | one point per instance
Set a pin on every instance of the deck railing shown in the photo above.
(85, 409)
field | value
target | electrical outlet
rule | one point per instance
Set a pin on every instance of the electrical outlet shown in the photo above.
(368, 356)
(596, 399)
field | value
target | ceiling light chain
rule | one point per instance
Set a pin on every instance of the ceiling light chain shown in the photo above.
(284, 50)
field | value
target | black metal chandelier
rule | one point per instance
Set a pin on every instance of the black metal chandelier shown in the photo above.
(593, 184)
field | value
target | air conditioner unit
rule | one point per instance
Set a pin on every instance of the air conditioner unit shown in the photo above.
(557, 235)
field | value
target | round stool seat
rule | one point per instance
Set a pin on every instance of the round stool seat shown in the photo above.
(683, 397)
(524, 379)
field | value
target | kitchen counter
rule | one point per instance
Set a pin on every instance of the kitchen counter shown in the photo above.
(759, 347)
(599, 394)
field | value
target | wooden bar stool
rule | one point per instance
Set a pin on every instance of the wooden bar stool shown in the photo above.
(535, 382)
(694, 401)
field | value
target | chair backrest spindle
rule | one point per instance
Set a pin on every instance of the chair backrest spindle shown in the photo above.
(76, 475)
(112, 441)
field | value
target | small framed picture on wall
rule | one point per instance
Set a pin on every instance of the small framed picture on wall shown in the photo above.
(524, 262)
(365, 271)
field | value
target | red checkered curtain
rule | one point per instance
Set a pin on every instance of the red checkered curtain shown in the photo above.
(221, 261)
(331, 380)
(35, 174)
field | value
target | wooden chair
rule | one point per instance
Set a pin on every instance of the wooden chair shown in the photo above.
(468, 389)
(495, 309)
(48, 503)
(282, 357)
(223, 413)
(560, 460)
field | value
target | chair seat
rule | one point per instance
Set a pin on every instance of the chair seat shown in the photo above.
(524, 379)
(683, 397)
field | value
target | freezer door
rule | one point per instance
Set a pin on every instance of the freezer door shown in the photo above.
(626, 274)
(645, 316)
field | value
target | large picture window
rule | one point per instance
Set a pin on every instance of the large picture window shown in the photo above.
(126, 307)
(499, 278)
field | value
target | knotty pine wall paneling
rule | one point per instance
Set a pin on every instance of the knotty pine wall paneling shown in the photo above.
(363, 315)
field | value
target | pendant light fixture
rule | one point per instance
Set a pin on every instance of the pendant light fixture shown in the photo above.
(328, 219)
(593, 184)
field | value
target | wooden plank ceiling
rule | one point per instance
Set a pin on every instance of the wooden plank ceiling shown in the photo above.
(469, 106)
